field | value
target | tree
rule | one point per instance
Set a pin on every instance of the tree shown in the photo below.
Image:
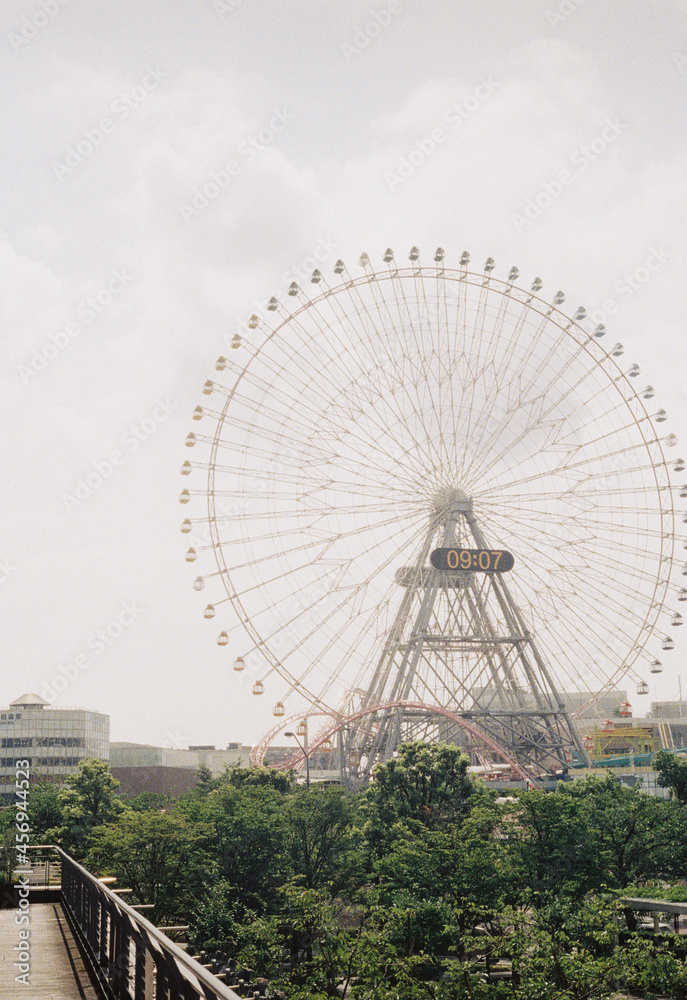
(449, 880)
(425, 787)
(88, 800)
(162, 857)
(45, 810)
(318, 836)
(150, 802)
(672, 773)
(8, 855)
(550, 850)
(258, 777)
(637, 836)
(205, 782)
(248, 846)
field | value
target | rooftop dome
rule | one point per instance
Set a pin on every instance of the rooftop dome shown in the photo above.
(29, 701)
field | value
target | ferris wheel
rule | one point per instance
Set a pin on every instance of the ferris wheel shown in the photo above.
(355, 429)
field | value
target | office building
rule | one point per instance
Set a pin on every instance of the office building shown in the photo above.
(51, 740)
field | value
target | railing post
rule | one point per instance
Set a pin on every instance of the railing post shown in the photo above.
(139, 967)
(162, 978)
(103, 944)
(113, 951)
(121, 963)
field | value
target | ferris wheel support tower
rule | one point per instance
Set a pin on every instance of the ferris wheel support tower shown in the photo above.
(444, 613)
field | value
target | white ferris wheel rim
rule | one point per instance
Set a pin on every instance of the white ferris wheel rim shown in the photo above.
(339, 430)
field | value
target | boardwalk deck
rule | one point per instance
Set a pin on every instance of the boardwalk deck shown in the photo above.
(57, 970)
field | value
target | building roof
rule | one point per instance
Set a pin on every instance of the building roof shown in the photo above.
(30, 701)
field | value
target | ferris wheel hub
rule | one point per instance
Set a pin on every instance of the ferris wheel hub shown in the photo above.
(450, 502)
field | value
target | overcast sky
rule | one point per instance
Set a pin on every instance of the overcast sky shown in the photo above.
(167, 165)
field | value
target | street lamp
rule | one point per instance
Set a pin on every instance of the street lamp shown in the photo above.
(293, 736)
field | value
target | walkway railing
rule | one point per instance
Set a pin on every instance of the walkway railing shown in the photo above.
(130, 958)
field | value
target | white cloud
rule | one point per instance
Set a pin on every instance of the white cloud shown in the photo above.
(322, 178)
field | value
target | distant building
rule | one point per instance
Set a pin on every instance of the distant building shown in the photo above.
(669, 710)
(146, 755)
(141, 767)
(52, 740)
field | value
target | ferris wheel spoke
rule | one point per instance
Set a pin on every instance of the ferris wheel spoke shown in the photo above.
(405, 321)
(479, 412)
(300, 567)
(583, 563)
(420, 296)
(586, 569)
(579, 466)
(556, 400)
(331, 677)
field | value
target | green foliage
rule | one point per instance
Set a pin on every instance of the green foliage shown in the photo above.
(88, 800)
(552, 851)
(162, 857)
(657, 890)
(459, 870)
(45, 808)
(8, 848)
(425, 787)
(206, 783)
(637, 836)
(651, 968)
(672, 773)
(421, 887)
(319, 840)
(248, 847)
(219, 919)
(258, 777)
(150, 801)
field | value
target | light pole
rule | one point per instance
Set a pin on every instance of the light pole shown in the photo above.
(305, 754)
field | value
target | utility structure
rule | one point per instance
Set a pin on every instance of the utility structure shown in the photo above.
(460, 642)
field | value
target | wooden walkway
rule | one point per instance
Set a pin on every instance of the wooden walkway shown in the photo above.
(57, 970)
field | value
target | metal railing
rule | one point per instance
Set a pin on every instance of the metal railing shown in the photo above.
(129, 957)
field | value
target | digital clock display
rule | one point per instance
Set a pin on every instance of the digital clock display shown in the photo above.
(473, 560)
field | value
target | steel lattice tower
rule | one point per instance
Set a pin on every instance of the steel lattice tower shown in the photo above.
(503, 684)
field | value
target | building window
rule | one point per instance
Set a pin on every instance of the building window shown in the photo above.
(57, 761)
(61, 741)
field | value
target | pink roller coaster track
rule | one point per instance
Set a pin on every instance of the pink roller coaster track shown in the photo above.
(342, 722)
